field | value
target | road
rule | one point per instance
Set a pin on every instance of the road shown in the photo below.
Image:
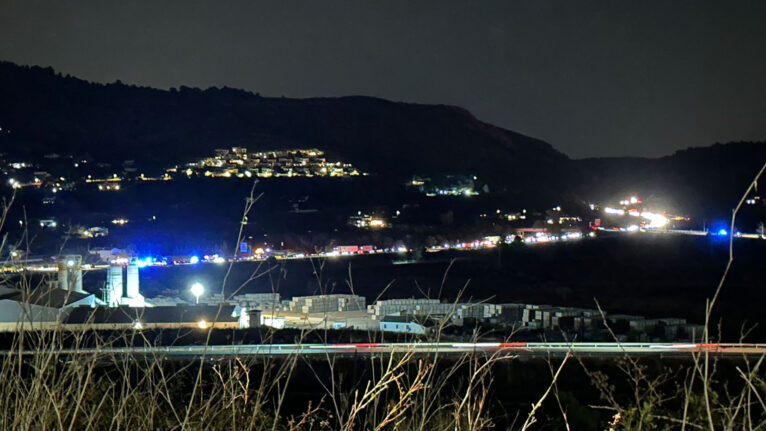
(511, 349)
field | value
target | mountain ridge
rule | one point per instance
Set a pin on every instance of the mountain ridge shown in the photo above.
(82, 116)
(48, 111)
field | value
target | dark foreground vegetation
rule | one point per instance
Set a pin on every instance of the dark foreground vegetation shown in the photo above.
(49, 390)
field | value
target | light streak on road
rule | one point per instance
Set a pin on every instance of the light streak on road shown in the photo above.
(36, 265)
(521, 349)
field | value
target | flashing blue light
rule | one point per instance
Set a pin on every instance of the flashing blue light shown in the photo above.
(722, 232)
(194, 259)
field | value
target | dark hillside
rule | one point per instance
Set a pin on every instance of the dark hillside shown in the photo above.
(43, 112)
(704, 182)
(47, 112)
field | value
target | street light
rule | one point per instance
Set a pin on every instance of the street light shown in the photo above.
(197, 289)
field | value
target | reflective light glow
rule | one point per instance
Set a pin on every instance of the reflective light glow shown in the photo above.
(655, 220)
(144, 262)
(194, 259)
(376, 223)
(197, 289)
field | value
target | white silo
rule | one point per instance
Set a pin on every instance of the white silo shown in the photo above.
(63, 276)
(131, 289)
(134, 297)
(70, 273)
(114, 285)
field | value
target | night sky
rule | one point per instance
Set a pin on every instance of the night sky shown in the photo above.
(595, 78)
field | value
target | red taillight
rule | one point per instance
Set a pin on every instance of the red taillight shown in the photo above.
(513, 345)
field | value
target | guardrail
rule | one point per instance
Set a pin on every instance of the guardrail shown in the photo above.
(513, 349)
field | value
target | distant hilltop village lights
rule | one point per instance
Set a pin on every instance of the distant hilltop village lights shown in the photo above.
(55, 173)
(238, 163)
(448, 185)
(34, 179)
(368, 221)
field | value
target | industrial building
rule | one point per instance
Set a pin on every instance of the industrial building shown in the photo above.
(259, 301)
(126, 317)
(413, 307)
(401, 324)
(46, 305)
(326, 303)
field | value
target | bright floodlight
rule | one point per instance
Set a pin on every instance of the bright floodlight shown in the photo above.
(722, 232)
(202, 324)
(197, 289)
(194, 259)
(70, 263)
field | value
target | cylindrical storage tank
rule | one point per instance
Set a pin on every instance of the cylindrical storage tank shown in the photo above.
(132, 280)
(75, 274)
(70, 272)
(63, 275)
(114, 285)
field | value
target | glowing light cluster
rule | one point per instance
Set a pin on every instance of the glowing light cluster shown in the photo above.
(656, 221)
